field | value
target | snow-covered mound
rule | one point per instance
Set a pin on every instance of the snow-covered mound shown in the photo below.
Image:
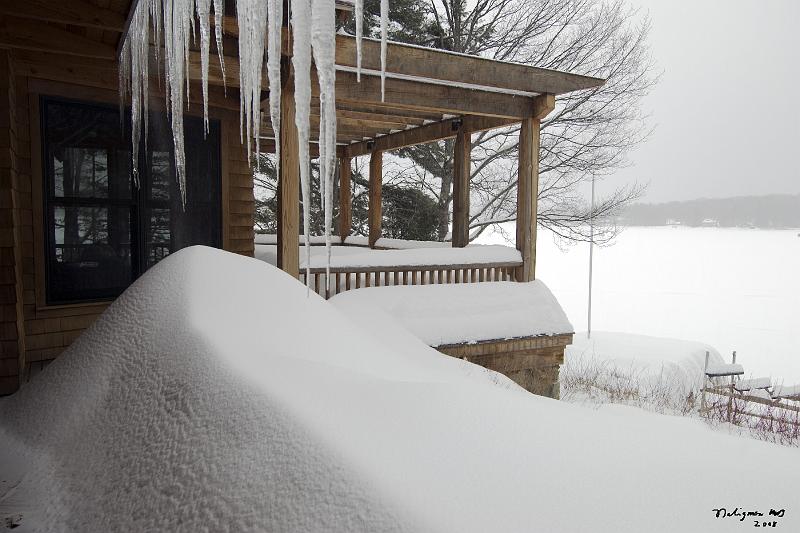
(670, 361)
(464, 312)
(217, 394)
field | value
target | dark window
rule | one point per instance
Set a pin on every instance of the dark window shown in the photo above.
(101, 231)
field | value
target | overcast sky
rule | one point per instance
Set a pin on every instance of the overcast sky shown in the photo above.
(727, 109)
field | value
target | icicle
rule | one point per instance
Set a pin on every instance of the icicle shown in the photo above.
(203, 8)
(301, 62)
(178, 17)
(219, 12)
(359, 35)
(252, 19)
(275, 14)
(134, 76)
(323, 39)
(384, 35)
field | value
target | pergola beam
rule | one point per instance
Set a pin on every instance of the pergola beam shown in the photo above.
(436, 131)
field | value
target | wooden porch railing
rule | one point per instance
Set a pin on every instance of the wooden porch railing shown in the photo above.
(345, 278)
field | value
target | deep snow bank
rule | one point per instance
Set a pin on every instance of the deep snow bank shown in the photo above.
(670, 361)
(216, 394)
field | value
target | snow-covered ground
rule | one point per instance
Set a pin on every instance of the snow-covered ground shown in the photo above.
(735, 289)
(218, 394)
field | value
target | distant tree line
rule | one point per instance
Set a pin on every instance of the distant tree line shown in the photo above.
(772, 211)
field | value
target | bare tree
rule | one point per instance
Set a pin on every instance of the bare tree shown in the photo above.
(590, 132)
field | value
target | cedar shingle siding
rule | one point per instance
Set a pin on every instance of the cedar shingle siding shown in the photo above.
(33, 334)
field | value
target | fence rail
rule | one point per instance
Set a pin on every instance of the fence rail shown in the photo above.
(345, 278)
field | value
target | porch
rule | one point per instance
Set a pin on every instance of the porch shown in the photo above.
(72, 241)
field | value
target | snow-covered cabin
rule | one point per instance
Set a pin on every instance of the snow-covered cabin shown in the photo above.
(77, 229)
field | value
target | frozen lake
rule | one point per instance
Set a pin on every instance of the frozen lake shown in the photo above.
(736, 289)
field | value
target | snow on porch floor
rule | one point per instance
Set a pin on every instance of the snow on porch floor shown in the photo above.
(358, 256)
(464, 312)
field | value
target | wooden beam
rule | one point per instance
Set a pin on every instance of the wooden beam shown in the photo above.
(288, 187)
(73, 12)
(459, 68)
(461, 174)
(26, 34)
(543, 105)
(436, 131)
(375, 207)
(527, 197)
(414, 94)
(345, 196)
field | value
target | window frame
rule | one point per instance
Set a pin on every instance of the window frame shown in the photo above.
(138, 202)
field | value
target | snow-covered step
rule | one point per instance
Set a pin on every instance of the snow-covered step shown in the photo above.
(724, 369)
(791, 392)
(751, 384)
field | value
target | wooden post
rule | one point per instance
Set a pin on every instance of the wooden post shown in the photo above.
(345, 197)
(288, 187)
(527, 197)
(375, 207)
(528, 185)
(461, 173)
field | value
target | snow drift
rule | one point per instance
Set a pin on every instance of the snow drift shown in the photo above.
(216, 394)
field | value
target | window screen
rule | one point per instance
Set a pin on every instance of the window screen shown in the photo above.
(101, 231)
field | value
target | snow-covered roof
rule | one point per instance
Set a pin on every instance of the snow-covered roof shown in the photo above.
(217, 394)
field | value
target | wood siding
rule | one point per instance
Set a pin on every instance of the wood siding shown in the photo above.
(33, 333)
(14, 229)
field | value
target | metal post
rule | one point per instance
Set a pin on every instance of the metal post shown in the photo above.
(591, 264)
(705, 384)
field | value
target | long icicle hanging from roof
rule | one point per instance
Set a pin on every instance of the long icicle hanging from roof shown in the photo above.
(323, 39)
(301, 62)
(274, 36)
(384, 36)
(359, 14)
(174, 21)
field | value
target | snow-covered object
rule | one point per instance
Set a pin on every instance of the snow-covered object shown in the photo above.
(464, 312)
(724, 369)
(196, 404)
(786, 391)
(351, 256)
(753, 383)
(384, 39)
(671, 361)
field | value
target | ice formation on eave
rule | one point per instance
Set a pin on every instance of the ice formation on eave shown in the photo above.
(301, 61)
(384, 34)
(323, 39)
(274, 35)
(359, 34)
(175, 21)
